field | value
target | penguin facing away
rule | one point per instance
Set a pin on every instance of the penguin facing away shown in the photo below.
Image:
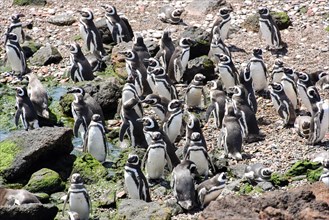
(167, 49)
(217, 46)
(222, 23)
(226, 71)
(129, 91)
(81, 69)
(289, 87)
(141, 49)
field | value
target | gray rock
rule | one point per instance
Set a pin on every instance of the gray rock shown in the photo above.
(174, 206)
(197, 7)
(29, 2)
(30, 47)
(238, 170)
(104, 31)
(200, 65)
(46, 55)
(266, 186)
(138, 209)
(28, 212)
(64, 19)
(36, 149)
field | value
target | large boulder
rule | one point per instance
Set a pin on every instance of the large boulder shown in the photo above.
(199, 8)
(28, 212)
(200, 65)
(63, 19)
(29, 2)
(25, 152)
(46, 55)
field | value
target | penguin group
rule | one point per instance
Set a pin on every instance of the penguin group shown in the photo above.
(158, 116)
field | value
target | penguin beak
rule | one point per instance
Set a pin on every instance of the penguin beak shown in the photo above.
(125, 53)
(140, 120)
(191, 42)
(146, 60)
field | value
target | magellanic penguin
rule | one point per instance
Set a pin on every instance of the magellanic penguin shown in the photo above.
(80, 69)
(167, 49)
(152, 63)
(38, 95)
(193, 125)
(282, 104)
(78, 197)
(227, 71)
(217, 105)
(325, 178)
(129, 91)
(159, 105)
(196, 151)
(150, 126)
(25, 110)
(303, 82)
(231, 134)
(258, 71)
(174, 119)
(269, 29)
(16, 27)
(169, 14)
(130, 125)
(289, 87)
(323, 82)
(182, 183)
(156, 158)
(179, 59)
(163, 84)
(303, 126)
(135, 181)
(320, 122)
(277, 71)
(222, 23)
(10, 197)
(141, 49)
(256, 173)
(90, 34)
(15, 55)
(210, 189)
(95, 139)
(246, 80)
(313, 97)
(118, 26)
(217, 46)
(195, 92)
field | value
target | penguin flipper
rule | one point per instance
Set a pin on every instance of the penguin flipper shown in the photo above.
(67, 198)
(85, 142)
(130, 30)
(144, 159)
(72, 71)
(210, 163)
(17, 115)
(204, 97)
(209, 110)
(88, 201)
(77, 124)
(123, 129)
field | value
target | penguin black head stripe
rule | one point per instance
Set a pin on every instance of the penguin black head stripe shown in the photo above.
(133, 159)
(223, 12)
(266, 172)
(303, 76)
(74, 48)
(12, 37)
(312, 92)
(257, 52)
(263, 11)
(147, 121)
(76, 178)
(174, 104)
(86, 14)
(151, 99)
(21, 91)
(156, 135)
(186, 42)
(15, 18)
(195, 136)
(79, 90)
(159, 71)
(199, 77)
(110, 10)
(129, 54)
(223, 58)
(152, 62)
(96, 118)
(177, 12)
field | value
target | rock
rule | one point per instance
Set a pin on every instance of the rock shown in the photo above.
(174, 206)
(118, 60)
(279, 179)
(199, 65)
(265, 186)
(30, 47)
(45, 180)
(29, 2)
(42, 147)
(42, 197)
(65, 102)
(90, 169)
(139, 209)
(202, 45)
(46, 55)
(28, 212)
(238, 170)
(200, 8)
(104, 31)
(63, 19)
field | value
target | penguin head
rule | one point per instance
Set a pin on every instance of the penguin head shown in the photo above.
(224, 12)
(151, 99)
(245, 75)
(129, 54)
(130, 79)
(175, 104)
(156, 136)
(263, 11)
(322, 75)
(110, 10)
(276, 87)
(223, 58)
(165, 35)
(96, 118)
(215, 85)
(152, 62)
(76, 178)
(278, 63)
(86, 14)
(176, 13)
(199, 77)
(266, 172)
(229, 109)
(288, 72)
(15, 18)
(133, 159)
(193, 121)
(159, 71)
(221, 178)
(313, 94)
(186, 42)
(148, 121)
(78, 90)
(138, 39)
(21, 91)
(12, 37)
(75, 48)
(257, 52)
(238, 91)
(195, 136)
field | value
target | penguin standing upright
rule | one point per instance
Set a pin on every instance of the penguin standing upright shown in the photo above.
(119, 26)
(182, 183)
(135, 181)
(227, 71)
(152, 63)
(174, 119)
(195, 91)
(25, 110)
(231, 137)
(257, 173)
(306, 91)
(282, 104)
(289, 87)
(80, 69)
(16, 27)
(320, 122)
(90, 34)
(167, 49)
(258, 71)
(217, 46)
(179, 59)
(277, 71)
(130, 124)
(140, 48)
(38, 95)
(15, 54)
(269, 29)
(159, 105)
(163, 85)
(246, 80)
(79, 200)
(169, 14)
(222, 23)
(323, 81)
(217, 105)
(193, 125)
(95, 139)
(129, 91)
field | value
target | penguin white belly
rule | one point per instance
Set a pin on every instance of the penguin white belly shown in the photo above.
(162, 90)
(15, 61)
(276, 77)
(78, 203)
(200, 161)
(184, 59)
(18, 32)
(109, 25)
(211, 196)
(173, 130)
(159, 113)
(131, 186)
(193, 97)
(276, 105)
(227, 78)
(83, 33)
(155, 163)
(151, 82)
(148, 137)
(266, 32)
(258, 75)
(224, 30)
(290, 92)
(325, 120)
(304, 98)
(96, 144)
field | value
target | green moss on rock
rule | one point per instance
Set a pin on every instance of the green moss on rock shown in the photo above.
(46, 181)
(282, 19)
(8, 152)
(327, 29)
(90, 169)
(279, 179)
(29, 2)
(246, 189)
(65, 102)
(301, 168)
(314, 175)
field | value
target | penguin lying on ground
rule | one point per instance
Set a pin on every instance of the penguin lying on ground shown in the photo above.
(169, 14)
(10, 197)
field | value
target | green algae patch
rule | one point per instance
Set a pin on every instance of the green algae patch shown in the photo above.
(8, 153)
(90, 169)
(46, 181)
(246, 188)
(327, 29)
(282, 19)
(314, 175)
(29, 2)
(7, 106)
(301, 168)
(279, 180)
